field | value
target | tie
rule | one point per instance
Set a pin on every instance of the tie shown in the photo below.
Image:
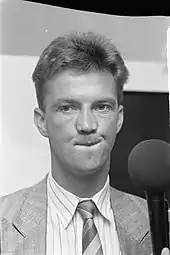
(91, 244)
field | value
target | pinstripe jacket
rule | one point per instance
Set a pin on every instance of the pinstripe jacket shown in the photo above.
(23, 218)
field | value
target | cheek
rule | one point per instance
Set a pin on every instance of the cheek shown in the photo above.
(109, 125)
(58, 131)
(54, 129)
(111, 131)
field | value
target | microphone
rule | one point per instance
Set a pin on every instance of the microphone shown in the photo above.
(149, 169)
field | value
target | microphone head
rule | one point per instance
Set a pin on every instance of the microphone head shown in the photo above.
(149, 165)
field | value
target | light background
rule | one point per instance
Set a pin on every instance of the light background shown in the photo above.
(26, 29)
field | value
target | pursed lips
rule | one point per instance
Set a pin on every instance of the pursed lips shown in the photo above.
(88, 143)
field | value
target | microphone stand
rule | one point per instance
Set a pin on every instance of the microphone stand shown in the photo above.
(159, 223)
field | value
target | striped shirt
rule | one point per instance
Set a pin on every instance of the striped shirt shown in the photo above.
(65, 225)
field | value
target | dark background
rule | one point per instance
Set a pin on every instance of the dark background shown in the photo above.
(110, 8)
(146, 116)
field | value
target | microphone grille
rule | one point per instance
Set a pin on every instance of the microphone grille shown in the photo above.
(149, 165)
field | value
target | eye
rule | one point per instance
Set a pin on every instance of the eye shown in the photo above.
(104, 107)
(66, 108)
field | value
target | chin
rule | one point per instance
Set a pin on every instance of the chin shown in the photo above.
(88, 167)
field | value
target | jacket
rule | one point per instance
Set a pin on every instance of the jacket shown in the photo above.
(23, 219)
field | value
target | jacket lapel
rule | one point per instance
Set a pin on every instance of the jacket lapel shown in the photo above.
(130, 213)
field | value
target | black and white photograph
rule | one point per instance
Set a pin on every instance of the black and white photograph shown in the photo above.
(84, 131)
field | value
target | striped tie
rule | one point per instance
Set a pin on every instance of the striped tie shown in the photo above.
(91, 244)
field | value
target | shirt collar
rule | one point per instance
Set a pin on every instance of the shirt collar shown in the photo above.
(102, 200)
(65, 203)
(61, 200)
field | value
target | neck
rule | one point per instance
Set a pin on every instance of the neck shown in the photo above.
(84, 186)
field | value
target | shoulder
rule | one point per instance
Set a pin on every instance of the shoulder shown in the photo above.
(127, 199)
(11, 202)
(7, 202)
(129, 207)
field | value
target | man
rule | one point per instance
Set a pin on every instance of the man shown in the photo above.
(79, 82)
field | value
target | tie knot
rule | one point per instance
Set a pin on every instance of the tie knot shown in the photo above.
(87, 209)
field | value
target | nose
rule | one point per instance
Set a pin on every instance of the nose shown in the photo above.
(86, 122)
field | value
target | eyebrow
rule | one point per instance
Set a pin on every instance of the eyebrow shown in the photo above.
(73, 101)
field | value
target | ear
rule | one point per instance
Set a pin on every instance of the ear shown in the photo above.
(120, 118)
(40, 121)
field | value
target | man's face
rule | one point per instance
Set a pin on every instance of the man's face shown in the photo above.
(81, 108)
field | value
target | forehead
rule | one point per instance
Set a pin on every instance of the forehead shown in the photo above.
(81, 86)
